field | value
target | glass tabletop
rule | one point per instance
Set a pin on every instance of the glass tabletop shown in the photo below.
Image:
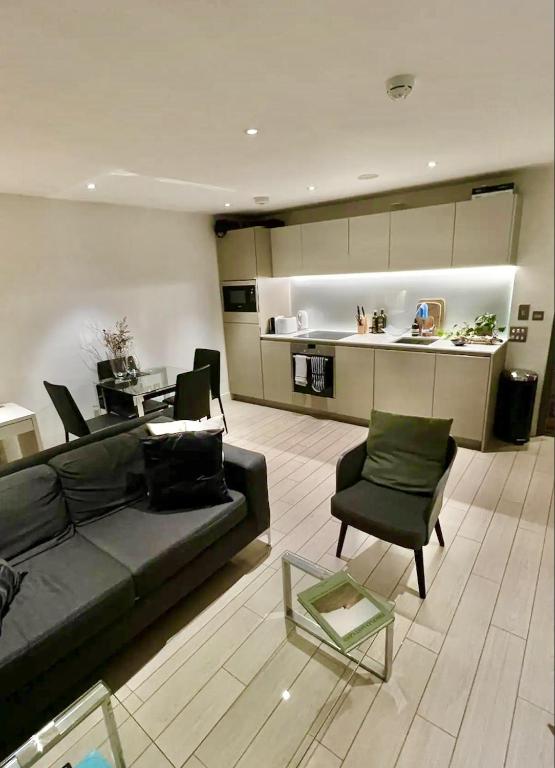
(149, 382)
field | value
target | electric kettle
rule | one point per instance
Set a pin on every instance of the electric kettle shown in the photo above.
(302, 320)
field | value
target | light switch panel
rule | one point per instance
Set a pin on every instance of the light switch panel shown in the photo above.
(537, 314)
(518, 333)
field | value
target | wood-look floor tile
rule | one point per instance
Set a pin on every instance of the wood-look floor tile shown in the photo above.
(426, 746)
(389, 719)
(486, 726)
(258, 648)
(531, 742)
(494, 553)
(152, 757)
(320, 757)
(447, 692)
(536, 505)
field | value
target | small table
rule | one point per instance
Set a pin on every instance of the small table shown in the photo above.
(383, 671)
(55, 732)
(145, 385)
(18, 426)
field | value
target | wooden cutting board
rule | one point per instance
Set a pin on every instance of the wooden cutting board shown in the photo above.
(436, 310)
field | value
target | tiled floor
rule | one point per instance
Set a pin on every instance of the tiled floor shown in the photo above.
(472, 683)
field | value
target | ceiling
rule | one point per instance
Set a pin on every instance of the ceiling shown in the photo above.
(149, 99)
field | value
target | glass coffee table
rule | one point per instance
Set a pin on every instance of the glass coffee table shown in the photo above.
(58, 741)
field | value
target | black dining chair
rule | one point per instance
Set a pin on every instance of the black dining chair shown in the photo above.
(192, 395)
(209, 357)
(118, 403)
(72, 419)
(399, 517)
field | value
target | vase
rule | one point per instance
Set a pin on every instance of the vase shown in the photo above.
(119, 367)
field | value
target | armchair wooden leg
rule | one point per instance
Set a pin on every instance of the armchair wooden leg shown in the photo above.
(66, 433)
(341, 539)
(439, 534)
(419, 560)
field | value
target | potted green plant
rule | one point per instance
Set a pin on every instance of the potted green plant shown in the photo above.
(484, 331)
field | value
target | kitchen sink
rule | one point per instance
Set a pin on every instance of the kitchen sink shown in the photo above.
(418, 340)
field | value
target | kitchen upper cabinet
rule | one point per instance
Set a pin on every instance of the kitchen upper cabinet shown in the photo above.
(286, 251)
(422, 238)
(461, 390)
(244, 254)
(325, 246)
(354, 382)
(404, 382)
(369, 243)
(276, 371)
(484, 229)
(242, 343)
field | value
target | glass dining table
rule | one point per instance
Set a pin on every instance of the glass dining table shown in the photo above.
(141, 386)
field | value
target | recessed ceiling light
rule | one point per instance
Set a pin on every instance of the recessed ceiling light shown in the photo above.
(311, 187)
(367, 176)
(432, 164)
(286, 695)
(91, 186)
(261, 199)
(251, 131)
(227, 205)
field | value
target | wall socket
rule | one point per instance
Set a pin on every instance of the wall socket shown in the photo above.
(518, 333)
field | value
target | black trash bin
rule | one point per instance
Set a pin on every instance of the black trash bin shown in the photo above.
(515, 405)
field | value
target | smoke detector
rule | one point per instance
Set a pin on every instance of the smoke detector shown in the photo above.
(261, 199)
(399, 87)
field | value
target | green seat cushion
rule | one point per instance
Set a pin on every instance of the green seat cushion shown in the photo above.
(406, 453)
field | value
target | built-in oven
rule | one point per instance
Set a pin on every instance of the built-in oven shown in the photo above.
(240, 303)
(313, 369)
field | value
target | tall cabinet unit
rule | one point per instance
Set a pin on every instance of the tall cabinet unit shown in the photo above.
(485, 230)
(244, 254)
(422, 238)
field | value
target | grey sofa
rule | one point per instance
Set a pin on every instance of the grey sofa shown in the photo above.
(100, 564)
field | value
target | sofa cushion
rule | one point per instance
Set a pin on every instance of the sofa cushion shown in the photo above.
(32, 510)
(156, 545)
(70, 593)
(101, 477)
(391, 515)
(406, 453)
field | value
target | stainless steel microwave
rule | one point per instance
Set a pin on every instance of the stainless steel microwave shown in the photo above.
(240, 303)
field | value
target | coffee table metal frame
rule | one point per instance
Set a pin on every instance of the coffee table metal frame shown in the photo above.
(52, 733)
(288, 559)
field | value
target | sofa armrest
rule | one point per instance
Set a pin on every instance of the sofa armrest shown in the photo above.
(245, 471)
(349, 467)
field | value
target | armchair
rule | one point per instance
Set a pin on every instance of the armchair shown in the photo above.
(399, 517)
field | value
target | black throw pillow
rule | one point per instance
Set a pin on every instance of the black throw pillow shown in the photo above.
(185, 470)
(10, 581)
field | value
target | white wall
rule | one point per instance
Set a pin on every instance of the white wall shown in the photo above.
(65, 266)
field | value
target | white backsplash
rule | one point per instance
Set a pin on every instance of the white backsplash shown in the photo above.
(331, 300)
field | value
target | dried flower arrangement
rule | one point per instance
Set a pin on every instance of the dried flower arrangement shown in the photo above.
(118, 339)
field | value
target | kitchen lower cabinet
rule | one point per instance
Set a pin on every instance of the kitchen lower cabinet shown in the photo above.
(461, 393)
(276, 371)
(242, 343)
(354, 382)
(404, 382)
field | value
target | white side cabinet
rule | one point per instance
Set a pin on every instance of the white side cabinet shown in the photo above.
(369, 243)
(422, 238)
(354, 381)
(276, 371)
(244, 254)
(461, 391)
(484, 229)
(404, 382)
(287, 251)
(325, 246)
(242, 343)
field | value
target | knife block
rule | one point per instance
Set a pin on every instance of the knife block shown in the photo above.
(363, 326)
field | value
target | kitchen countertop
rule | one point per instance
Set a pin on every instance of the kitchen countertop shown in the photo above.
(387, 341)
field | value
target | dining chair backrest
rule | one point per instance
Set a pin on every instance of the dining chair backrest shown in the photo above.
(210, 357)
(192, 394)
(67, 409)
